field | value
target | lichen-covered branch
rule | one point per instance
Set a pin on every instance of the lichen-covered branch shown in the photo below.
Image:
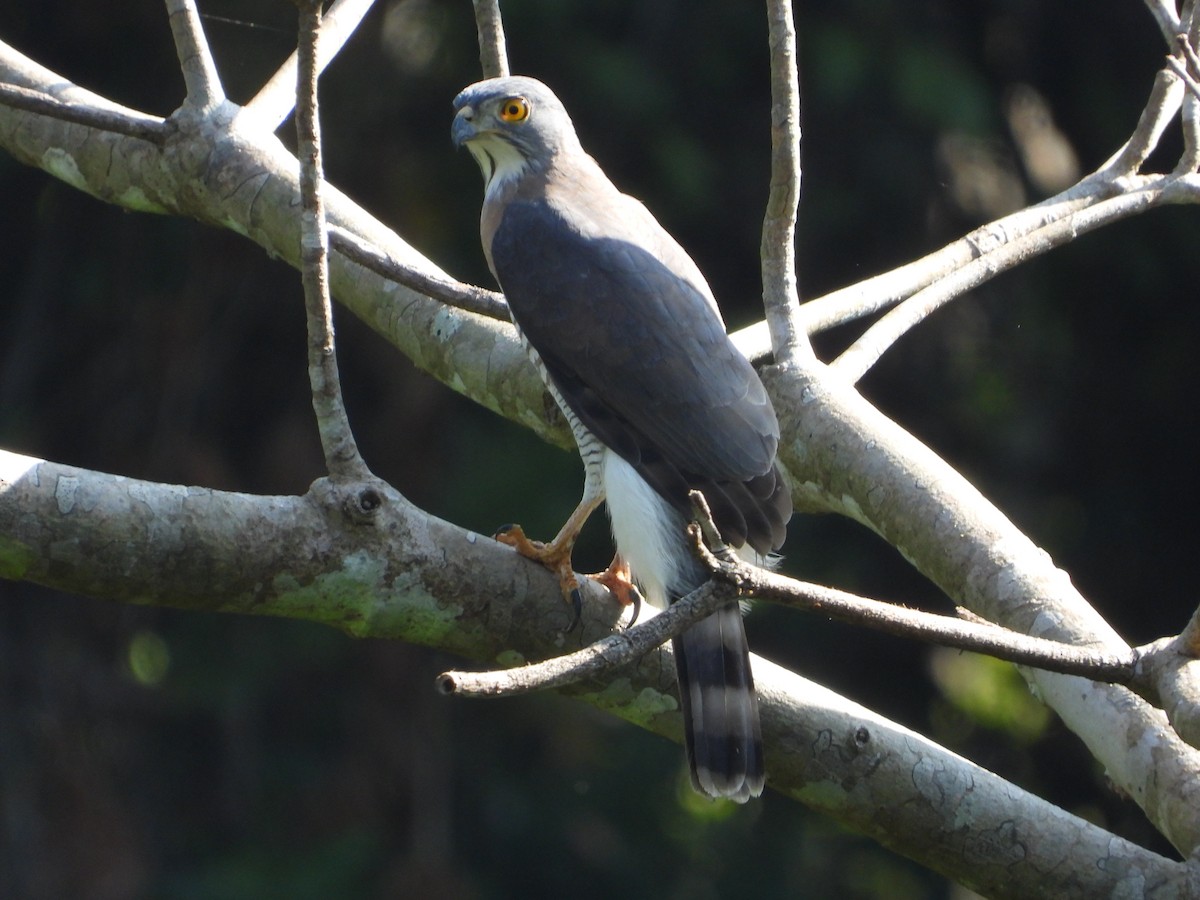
(359, 557)
(227, 170)
(857, 462)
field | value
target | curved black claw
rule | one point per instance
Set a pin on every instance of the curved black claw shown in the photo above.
(577, 606)
(503, 529)
(636, 600)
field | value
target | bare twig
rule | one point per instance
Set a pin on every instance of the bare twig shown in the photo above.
(276, 99)
(595, 659)
(866, 351)
(1165, 15)
(144, 127)
(781, 299)
(735, 579)
(1166, 95)
(493, 55)
(967, 633)
(200, 75)
(452, 293)
(881, 291)
(337, 440)
(1182, 70)
(1189, 160)
(973, 635)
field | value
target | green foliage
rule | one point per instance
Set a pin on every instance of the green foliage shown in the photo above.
(992, 693)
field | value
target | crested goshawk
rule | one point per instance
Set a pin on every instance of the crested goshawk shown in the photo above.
(629, 340)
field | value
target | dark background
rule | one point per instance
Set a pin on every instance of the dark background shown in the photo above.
(152, 753)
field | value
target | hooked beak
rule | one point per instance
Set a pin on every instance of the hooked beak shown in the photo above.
(463, 128)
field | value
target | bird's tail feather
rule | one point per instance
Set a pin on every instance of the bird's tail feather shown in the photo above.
(720, 709)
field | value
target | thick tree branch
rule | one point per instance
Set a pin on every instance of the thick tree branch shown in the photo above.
(359, 557)
(857, 462)
(227, 170)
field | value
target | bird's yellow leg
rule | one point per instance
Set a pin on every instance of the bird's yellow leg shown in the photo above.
(556, 555)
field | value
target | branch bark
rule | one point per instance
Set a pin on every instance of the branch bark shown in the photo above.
(226, 170)
(857, 462)
(342, 459)
(359, 557)
(781, 297)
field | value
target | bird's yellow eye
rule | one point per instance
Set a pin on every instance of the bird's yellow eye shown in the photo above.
(514, 109)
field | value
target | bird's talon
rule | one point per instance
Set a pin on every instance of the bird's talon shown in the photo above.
(619, 581)
(576, 598)
(514, 536)
(636, 602)
(505, 534)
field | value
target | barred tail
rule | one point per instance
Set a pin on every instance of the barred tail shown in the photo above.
(720, 709)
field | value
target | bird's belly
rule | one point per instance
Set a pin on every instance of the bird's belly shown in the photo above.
(647, 531)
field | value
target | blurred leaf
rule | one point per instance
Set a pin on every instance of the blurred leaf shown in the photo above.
(990, 691)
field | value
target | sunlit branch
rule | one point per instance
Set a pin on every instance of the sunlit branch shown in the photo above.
(200, 75)
(337, 440)
(493, 55)
(128, 123)
(452, 293)
(781, 299)
(866, 351)
(277, 98)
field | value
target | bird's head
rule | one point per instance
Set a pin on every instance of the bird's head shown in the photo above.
(511, 125)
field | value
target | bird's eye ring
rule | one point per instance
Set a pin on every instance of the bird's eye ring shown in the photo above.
(514, 109)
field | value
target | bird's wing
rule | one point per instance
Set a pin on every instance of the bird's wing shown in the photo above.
(640, 354)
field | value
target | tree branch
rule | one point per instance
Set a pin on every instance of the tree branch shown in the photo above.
(869, 296)
(228, 171)
(855, 461)
(128, 123)
(342, 458)
(277, 98)
(1146, 193)
(493, 55)
(204, 91)
(781, 299)
(602, 658)
(445, 290)
(359, 557)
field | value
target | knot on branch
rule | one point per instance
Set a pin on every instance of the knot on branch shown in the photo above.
(363, 503)
(359, 501)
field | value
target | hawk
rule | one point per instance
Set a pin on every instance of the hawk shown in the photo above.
(628, 338)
